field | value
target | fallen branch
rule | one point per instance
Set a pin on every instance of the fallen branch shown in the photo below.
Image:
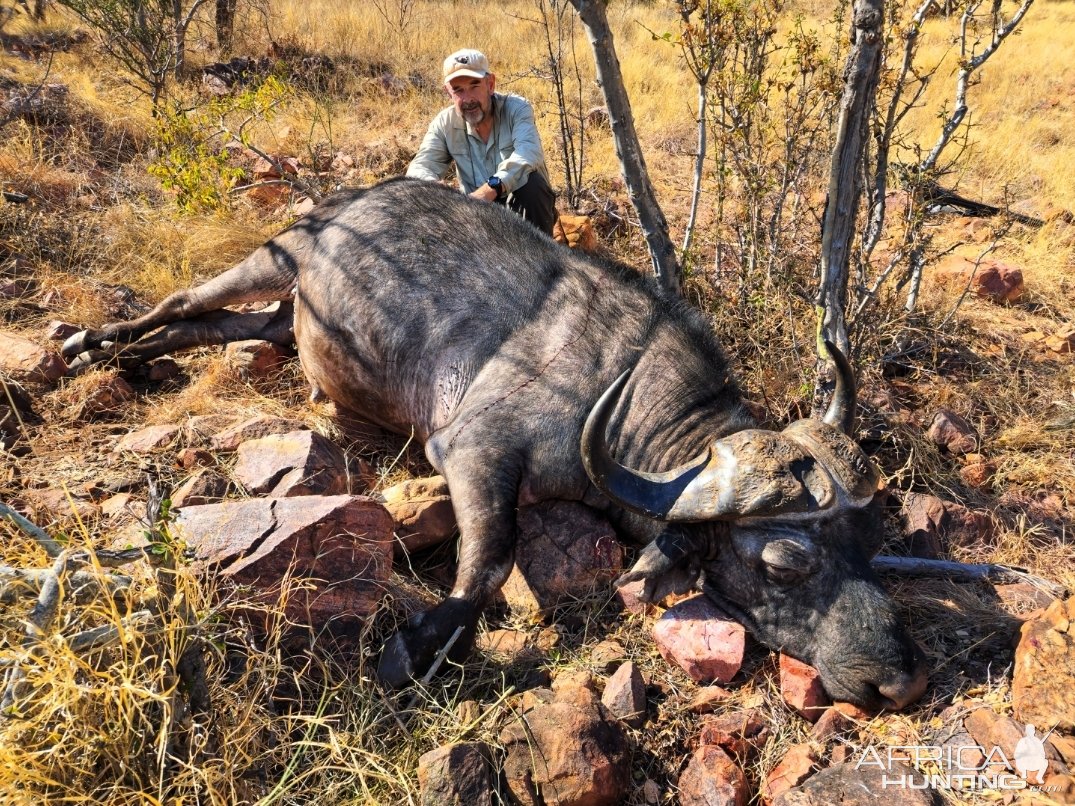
(964, 572)
(19, 582)
(106, 634)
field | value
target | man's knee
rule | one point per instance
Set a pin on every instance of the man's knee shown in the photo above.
(535, 201)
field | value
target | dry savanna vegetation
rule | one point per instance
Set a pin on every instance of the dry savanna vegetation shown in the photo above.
(112, 202)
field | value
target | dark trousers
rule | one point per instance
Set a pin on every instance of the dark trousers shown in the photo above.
(535, 201)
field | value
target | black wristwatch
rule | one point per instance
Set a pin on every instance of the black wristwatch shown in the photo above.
(495, 183)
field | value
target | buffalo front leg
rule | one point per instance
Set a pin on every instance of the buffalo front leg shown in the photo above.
(275, 324)
(485, 509)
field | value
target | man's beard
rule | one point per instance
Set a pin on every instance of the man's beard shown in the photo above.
(474, 116)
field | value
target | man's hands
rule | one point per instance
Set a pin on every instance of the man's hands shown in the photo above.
(484, 193)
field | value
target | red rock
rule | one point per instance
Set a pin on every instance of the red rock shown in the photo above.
(59, 505)
(204, 486)
(990, 279)
(235, 435)
(831, 723)
(625, 695)
(510, 643)
(120, 504)
(1023, 598)
(978, 473)
(565, 551)
(1043, 692)
(59, 330)
(630, 596)
(991, 729)
(201, 427)
(189, 458)
(103, 396)
(422, 509)
(254, 358)
(339, 546)
(712, 778)
(707, 699)
(1063, 341)
(575, 231)
(701, 639)
(741, 733)
(163, 369)
(568, 750)
(931, 524)
(298, 463)
(148, 440)
(456, 774)
(303, 206)
(953, 433)
(795, 767)
(800, 685)
(25, 361)
(607, 655)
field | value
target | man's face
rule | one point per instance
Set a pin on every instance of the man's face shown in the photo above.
(472, 97)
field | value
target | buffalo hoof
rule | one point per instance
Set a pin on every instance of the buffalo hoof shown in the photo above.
(75, 344)
(411, 652)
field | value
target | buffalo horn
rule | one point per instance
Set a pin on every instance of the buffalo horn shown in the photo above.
(650, 494)
(841, 411)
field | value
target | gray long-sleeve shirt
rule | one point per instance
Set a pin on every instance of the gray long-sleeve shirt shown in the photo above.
(512, 153)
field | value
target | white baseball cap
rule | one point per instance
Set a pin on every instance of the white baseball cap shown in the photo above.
(466, 62)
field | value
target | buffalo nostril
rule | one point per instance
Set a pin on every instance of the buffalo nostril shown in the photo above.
(905, 690)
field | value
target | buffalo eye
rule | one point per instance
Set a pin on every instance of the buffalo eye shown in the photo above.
(787, 560)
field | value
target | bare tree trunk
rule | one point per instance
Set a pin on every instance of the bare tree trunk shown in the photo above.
(699, 166)
(845, 175)
(845, 183)
(632, 163)
(225, 24)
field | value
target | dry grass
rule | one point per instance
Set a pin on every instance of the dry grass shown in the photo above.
(285, 724)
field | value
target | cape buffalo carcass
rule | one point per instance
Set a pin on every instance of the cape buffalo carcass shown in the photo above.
(532, 373)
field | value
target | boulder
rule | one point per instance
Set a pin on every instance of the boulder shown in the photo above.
(854, 784)
(566, 752)
(931, 525)
(1043, 681)
(422, 509)
(953, 433)
(700, 638)
(24, 361)
(712, 778)
(456, 774)
(234, 435)
(339, 547)
(800, 686)
(564, 552)
(297, 463)
(148, 440)
(625, 695)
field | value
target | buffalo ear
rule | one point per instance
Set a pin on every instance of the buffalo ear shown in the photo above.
(667, 565)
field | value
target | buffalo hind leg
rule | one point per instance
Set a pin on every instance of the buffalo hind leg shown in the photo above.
(484, 496)
(268, 275)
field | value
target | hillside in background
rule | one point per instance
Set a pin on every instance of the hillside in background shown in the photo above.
(967, 402)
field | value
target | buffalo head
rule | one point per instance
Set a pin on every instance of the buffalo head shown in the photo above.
(777, 528)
